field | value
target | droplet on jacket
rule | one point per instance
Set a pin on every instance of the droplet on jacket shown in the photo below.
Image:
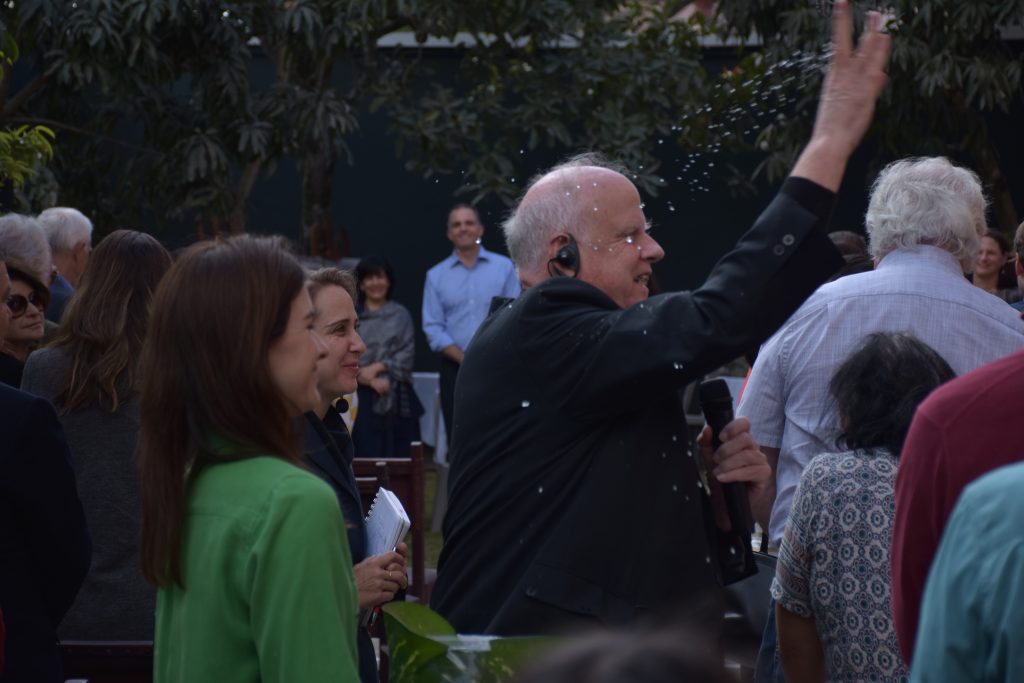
(540, 489)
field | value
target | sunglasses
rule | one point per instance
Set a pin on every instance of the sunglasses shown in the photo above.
(19, 304)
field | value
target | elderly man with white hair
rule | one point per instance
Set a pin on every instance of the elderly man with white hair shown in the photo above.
(924, 222)
(69, 232)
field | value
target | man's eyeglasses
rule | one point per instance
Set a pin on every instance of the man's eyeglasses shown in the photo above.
(19, 304)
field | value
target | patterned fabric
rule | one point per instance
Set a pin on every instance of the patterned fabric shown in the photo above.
(834, 563)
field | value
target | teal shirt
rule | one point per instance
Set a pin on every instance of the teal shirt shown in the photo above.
(269, 593)
(972, 621)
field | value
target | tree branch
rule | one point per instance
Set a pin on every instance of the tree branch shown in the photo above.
(60, 125)
(12, 105)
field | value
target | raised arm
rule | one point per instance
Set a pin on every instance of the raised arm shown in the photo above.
(853, 84)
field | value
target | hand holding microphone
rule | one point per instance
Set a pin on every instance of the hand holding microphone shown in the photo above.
(731, 454)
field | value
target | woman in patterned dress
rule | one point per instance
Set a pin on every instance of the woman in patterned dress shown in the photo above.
(831, 586)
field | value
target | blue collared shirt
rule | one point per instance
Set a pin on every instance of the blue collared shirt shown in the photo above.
(456, 299)
(921, 290)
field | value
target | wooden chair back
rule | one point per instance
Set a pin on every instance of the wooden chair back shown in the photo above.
(403, 476)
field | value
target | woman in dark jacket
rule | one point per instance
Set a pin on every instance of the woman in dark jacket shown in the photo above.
(387, 420)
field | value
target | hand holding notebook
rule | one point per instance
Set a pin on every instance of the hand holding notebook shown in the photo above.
(387, 523)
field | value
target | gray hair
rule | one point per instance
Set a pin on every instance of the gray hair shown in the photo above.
(65, 228)
(530, 225)
(927, 201)
(22, 239)
(1018, 241)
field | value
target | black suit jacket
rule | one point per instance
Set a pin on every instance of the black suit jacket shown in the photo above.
(573, 498)
(44, 545)
(329, 452)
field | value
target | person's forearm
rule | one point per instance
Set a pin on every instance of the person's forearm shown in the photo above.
(761, 506)
(824, 162)
(855, 79)
(803, 660)
(761, 503)
(453, 353)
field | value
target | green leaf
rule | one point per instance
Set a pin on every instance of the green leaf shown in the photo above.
(424, 648)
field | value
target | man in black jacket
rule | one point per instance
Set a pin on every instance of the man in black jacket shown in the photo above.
(573, 499)
(44, 545)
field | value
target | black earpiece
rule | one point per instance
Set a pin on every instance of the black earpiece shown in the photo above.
(568, 257)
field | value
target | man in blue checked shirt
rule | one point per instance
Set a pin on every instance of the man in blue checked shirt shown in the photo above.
(457, 297)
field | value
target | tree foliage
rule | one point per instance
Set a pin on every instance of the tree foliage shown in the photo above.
(176, 107)
(22, 148)
(952, 71)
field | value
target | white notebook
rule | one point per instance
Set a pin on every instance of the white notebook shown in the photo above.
(387, 523)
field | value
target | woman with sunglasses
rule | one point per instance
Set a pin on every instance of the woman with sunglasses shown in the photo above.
(90, 373)
(27, 303)
(247, 548)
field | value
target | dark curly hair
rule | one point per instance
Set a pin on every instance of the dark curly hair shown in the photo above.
(879, 386)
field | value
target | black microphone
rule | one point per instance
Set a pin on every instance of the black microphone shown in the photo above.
(716, 404)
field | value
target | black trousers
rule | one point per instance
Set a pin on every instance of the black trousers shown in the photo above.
(449, 372)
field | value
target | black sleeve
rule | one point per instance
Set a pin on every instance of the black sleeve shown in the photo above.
(672, 339)
(50, 511)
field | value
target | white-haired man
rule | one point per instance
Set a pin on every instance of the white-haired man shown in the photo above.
(924, 223)
(69, 232)
(22, 238)
(573, 500)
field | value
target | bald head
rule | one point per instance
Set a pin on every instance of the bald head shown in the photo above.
(555, 202)
(592, 203)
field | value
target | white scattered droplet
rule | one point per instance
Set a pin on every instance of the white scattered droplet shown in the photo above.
(478, 240)
(677, 366)
(675, 487)
(675, 438)
(645, 333)
(629, 239)
(540, 489)
(708, 559)
(525, 404)
(595, 208)
(663, 454)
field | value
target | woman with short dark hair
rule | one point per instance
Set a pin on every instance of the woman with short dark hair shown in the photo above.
(387, 418)
(247, 548)
(90, 373)
(831, 588)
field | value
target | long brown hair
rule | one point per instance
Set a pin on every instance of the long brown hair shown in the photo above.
(206, 375)
(105, 322)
